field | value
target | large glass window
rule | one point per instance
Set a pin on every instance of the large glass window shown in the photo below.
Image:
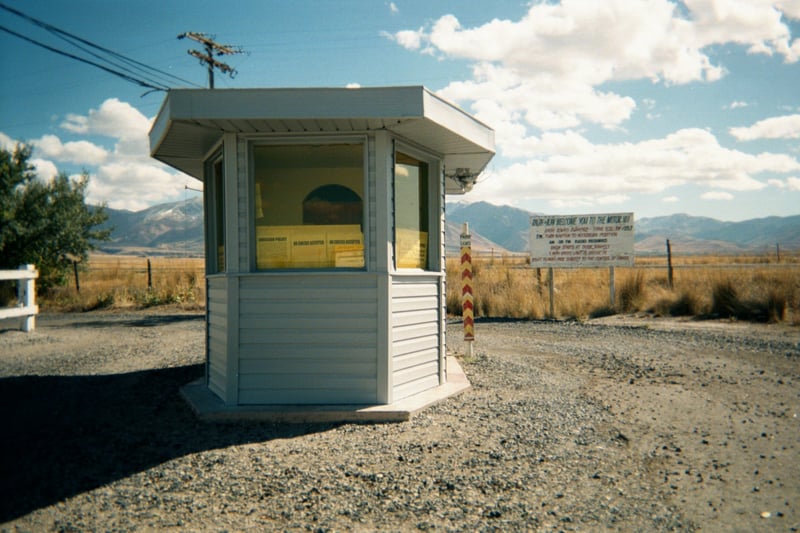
(215, 198)
(411, 212)
(309, 208)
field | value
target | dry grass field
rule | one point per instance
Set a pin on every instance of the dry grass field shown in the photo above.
(123, 282)
(746, 287)
(754, 288)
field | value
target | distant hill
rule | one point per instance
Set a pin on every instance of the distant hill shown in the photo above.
(509, 226)
(176, 228)
(707, 235)
(506, 226)
(452, 235)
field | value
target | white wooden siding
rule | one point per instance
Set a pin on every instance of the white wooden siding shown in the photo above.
(306, 339)
(416, 334)
(217, 342)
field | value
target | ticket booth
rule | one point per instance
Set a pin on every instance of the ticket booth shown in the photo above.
(324, 227)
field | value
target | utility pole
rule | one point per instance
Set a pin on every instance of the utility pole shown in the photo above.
(211, 49)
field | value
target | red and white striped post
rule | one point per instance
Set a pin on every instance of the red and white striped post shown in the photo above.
(467, 301)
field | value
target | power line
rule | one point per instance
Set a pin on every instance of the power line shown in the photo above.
(212, 48)
(138, 72)
(88, 62)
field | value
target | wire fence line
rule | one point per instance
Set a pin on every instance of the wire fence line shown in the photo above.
(138, 270)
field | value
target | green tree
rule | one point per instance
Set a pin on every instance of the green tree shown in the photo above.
(47, 224)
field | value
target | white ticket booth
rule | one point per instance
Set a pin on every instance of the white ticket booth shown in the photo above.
(324, 223)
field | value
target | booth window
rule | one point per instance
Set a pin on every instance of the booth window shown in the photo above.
(411, 212)
(215, 199)
(309, 208)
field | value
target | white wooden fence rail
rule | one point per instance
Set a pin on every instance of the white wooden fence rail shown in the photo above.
(26, 296)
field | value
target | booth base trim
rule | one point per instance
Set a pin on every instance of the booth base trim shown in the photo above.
(210, 408)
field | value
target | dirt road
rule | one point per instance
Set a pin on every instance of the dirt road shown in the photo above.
(615, 424)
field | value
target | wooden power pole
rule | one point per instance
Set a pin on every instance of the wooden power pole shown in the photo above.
(211, 49)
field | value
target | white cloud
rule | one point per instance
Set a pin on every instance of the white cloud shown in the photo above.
(353, 85)
(716, 195)
(541, 101)
(113, 119)
(670, 199)
(79, 152)
(738, 104)
(568, 168)
(127, 177)
(757, 25)
(791, 183)
(546, 68)
(393, 8)
(132, 185)
(784, 127)
(45, 170)
(542, 80)
(593, 42)
(409, 39)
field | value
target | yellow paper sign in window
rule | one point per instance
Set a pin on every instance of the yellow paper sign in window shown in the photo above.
(309, 246)
(411, 248)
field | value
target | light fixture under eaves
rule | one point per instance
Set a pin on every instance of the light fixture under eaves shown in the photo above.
(464, 177)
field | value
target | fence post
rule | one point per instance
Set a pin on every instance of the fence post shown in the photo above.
(669, 265)
(27, 296)
(77, 281)
(149, 275)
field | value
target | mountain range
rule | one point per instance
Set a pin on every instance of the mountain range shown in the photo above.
(176, 228)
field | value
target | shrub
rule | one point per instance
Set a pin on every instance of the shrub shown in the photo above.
(777, 304)
(602, 311)
(686, 304)
(631, 292)
(725, 300)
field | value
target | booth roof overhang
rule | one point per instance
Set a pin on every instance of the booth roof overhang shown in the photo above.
(192, 121)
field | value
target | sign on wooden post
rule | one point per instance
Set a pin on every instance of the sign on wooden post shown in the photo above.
(581, 241)
(578, 241)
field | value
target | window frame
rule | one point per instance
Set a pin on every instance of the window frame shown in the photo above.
(214, 198)
(258, 141)
(435, 188)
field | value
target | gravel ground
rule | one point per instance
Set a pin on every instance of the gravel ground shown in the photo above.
(624, 424)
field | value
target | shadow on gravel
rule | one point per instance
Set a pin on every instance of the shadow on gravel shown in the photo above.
(64, 435)
(130, 321)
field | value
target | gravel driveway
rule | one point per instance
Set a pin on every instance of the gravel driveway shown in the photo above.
(613, 424)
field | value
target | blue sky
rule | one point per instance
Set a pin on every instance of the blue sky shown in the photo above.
(651, 106)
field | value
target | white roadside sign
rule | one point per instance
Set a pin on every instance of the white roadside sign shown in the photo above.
(572, 241)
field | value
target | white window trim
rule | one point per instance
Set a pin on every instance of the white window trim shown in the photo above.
(435, 163)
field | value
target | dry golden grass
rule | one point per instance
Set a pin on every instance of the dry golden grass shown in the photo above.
(745, 287)
(122, 282)
(734, 287)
